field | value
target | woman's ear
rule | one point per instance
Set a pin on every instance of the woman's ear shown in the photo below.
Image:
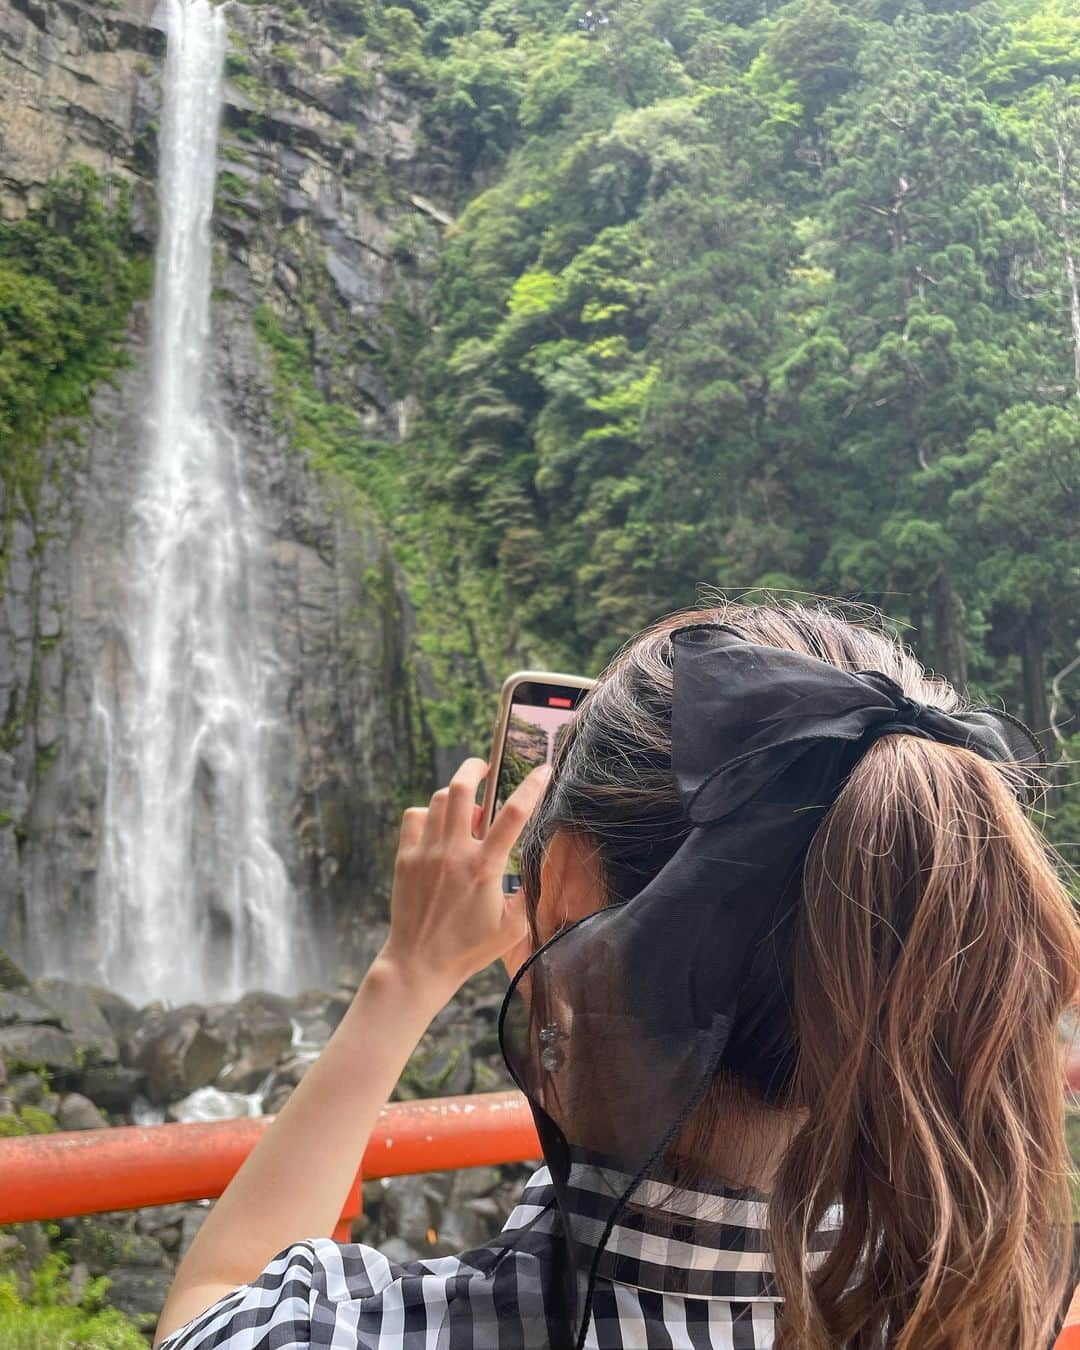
(571, 885)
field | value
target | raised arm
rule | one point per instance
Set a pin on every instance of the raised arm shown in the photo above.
(449, 919)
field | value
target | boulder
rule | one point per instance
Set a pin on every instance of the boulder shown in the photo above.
(22, 1006)
(426, 1213)
(193, 1220)
(27, 1089)
(79, 1113)
(149, 1022)
(113, 1087)
(275, 1098)
(23, 1248)
(440, 1070)
(258, 1031)
(489, 1077)
(140, 1292)
(179, 1055)
(289, 1071)
(317, 1014)
(399, 1252)
(101, 1243)
(78, 1012)
(48, 1047)
(121, 1015)
(262, 1001)
(163, 1222)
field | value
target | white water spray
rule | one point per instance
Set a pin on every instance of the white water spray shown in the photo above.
(193, 897)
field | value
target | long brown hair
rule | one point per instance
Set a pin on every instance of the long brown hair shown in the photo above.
(928, 1095)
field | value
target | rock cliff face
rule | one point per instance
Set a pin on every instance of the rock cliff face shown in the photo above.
(318, 185)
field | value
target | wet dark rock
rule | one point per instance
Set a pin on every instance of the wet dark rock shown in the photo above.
(490, 1077)
(284, 1078)
(441, 1070)
(276, 1097)
(291, 1069)
(23, 1248)
(28, 1089)
(193, 1219)
(48, 1047)
(113, 1087)
(77, 1112)
(121, 1015)
(102, 1243)
(140, 1292)
(178, 1054)
(79, 1013)
(165, 1223)
(16, 1006)
(257, 1031)
(315, 1010)
(400, 1252)
(78, 1279)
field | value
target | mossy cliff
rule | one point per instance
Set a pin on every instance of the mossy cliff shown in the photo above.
(327, 217)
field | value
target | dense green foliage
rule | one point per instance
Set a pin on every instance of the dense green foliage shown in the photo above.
(759, 299)
(68, 275)
(49, 1316)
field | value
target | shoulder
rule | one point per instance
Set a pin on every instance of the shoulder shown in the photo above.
(322, 1293)
(273, 1310)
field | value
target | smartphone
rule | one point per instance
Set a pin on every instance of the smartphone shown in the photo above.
(534, 708)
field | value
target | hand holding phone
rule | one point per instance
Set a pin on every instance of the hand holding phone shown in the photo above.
(449, 914)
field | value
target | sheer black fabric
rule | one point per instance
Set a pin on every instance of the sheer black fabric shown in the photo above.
(615, 1027)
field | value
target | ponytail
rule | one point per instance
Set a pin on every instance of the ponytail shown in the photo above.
(936, 950)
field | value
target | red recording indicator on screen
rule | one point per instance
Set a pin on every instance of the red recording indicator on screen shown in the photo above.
(555, 702)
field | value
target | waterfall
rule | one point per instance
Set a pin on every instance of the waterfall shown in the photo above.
(193, 898)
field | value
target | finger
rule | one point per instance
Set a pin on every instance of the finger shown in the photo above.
(515, 811)
(477, 822)
(412, 826)
(463, 787)
(433, 825)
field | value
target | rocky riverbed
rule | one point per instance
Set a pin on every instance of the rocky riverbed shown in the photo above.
(77, 1057)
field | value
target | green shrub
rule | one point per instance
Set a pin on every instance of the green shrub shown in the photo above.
(26, 1120)
(49, 1317)
(352, 72)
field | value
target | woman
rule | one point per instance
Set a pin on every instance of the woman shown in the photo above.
(787, 1023)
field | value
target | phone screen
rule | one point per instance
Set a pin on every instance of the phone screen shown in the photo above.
(539, 713)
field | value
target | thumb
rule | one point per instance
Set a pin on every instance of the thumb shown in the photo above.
(516, 810)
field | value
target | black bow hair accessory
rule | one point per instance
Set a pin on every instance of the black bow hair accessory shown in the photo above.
(615, 1027)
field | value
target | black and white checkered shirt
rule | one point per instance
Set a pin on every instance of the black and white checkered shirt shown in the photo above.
(683, 1269)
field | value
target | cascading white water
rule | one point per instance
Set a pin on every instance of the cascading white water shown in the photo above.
(193, 898)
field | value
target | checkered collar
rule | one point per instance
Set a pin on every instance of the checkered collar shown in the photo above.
(706, 1242)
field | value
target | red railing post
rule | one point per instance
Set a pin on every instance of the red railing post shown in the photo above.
(350, 1210)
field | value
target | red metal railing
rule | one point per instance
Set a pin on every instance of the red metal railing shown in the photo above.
(50, 1176)
(128, 1167)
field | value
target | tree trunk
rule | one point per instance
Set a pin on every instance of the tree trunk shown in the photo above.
(950, 649)
(1065, 207)
(1033, 657)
